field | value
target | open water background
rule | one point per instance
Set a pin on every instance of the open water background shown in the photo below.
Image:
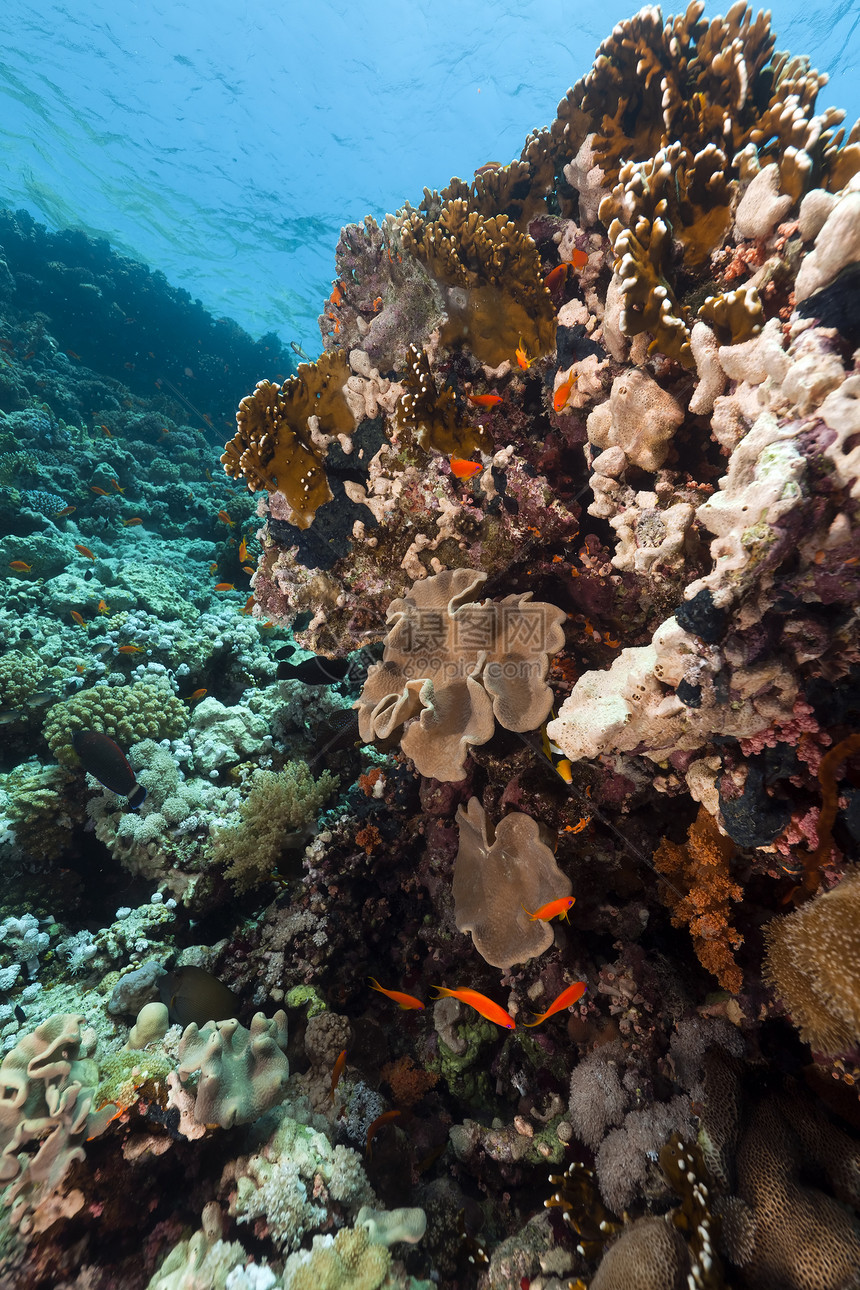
(225, 143)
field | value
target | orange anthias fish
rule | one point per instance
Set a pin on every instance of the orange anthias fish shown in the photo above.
(562, 394)
(78, 618)
(566, 999)
(485, 400)
(225, 586)
(67, 510)
(20, 566)
(522, 356)
(555, 907)
(198, 694)
(99, 492)
(463, 469)
(130, 649)
(128, 523)
(213, 568)
(385, 1118)
(84, 550)
(225, 518)
(403, 1001)
(243, 551)
(556, 276)
(579, 259)
(487, 1008)
(249, 569)
(104, 607)
(337, 1071)
(117, 486)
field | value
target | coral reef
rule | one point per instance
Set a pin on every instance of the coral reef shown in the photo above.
(278, 814)
(540, 583)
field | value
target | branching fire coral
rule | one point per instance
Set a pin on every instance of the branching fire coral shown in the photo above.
(278, 444)
(496, 298)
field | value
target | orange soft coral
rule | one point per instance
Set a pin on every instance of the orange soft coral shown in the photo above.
(703, 867)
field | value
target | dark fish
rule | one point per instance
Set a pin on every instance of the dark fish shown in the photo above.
(20, 1014)
(9, 718)
(107, 763)
(285, 651)
(314, 671)
(42, 697)
(191, 994)
(334, 733)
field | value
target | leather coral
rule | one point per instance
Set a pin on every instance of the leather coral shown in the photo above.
(452, 667)
(498, 875)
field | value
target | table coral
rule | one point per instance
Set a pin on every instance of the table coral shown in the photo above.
(452, 667)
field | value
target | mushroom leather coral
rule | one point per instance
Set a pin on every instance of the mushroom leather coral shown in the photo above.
(243, 1073)
(273, 447)
(496, 874)
(458, 667)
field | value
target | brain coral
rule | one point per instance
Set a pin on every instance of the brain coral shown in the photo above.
(458, 667)
(128, 713)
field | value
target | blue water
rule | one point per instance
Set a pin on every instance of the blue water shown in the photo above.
(226, 143)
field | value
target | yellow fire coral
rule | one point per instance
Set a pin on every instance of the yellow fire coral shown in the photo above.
(431, 418)
(452, 668)
(517, 190)
(812, 964)
(496, 297)
(280, 441)
(735, 315)
(674, 196)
